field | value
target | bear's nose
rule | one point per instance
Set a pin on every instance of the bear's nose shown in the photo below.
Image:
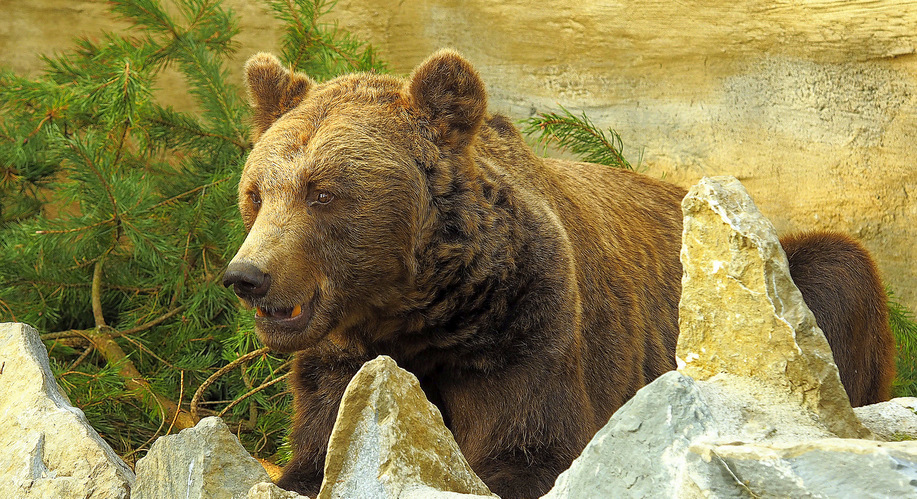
(248, 281)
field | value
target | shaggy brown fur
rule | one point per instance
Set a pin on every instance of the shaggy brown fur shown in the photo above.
(831, 269)
(531, 297)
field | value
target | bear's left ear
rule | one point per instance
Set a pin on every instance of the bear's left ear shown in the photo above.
(273, 89)
(448, 89)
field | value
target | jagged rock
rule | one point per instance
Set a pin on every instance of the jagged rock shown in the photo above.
(891, 421)
(204, 462)
(267, 490)
(48, 447)
(389, 441)
(682, 438)
(640, 452)
(740, 312)
(818, 468)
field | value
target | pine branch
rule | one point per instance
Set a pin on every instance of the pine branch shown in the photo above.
(253, 391)
(97, 295)
(114, 355)
(195, 400)
(578, 135)
(904, 328)
(318, 48)
(125, 273)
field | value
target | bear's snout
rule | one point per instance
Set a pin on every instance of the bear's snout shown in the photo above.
(247, 281)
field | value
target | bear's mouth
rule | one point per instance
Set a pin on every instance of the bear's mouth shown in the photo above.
(281, 314)
(286, 328)
(283, 318)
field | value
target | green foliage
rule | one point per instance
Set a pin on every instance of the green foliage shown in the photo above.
(904, 327)
(578, 135)
(340, 52)
(117, 217)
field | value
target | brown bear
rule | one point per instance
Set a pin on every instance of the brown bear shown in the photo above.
(531, 297)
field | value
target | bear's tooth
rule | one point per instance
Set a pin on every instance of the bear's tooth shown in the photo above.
(297, 310)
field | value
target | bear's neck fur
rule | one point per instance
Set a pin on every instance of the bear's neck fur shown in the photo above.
(485, 284)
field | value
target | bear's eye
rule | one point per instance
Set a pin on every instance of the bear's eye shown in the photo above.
(321, 198)
(255, 199)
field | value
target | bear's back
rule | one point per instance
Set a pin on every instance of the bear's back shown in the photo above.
(624, 235)
(625, 229)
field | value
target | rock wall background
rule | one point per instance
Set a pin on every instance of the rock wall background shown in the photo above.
(811, 105)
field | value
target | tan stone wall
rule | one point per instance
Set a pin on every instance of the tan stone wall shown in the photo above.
(812, 105)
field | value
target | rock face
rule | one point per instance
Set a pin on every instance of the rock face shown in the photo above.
(204, 462)
(48, 447)
(389, 441)
(641, 451)
(804, 101)
(740, 312)
(892, 420)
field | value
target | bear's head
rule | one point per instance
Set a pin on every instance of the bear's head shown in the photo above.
(339, 194)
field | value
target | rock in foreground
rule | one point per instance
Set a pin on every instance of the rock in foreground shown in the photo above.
(48, 447)
(740, 312)
(641, 451)
(204, 462)
(389, 441)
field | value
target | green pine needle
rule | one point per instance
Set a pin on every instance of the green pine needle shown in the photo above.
(904, 327)
(578, 135)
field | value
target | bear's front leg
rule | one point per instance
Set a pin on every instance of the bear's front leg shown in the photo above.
(318, 382)
(521, 428)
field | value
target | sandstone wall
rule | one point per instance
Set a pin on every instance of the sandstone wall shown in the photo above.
(810, 104)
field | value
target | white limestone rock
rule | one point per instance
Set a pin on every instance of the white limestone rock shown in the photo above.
(204, 462)
(48, 447)
(389, 441)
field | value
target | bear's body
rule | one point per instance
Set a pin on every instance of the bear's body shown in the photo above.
(531, 297)
(841, 285)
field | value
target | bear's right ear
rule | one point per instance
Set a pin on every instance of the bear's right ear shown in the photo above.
(273, 89)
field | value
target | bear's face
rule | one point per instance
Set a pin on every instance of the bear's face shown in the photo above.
(335, 196)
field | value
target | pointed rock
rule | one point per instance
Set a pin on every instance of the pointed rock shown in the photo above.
(741, 313)
(389, 441)
(48, 447)
(267, 490)
(641, 451)
(204, 462)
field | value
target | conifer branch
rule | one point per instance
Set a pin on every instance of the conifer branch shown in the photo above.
(97, 295)
(187, 193)
(242, 145)
(195, 400)
(151, 324)
(91, 124)
(114, 355)
(262, 387)
(133, 380)
(81, 358)
(578, 135)
(105, 184)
